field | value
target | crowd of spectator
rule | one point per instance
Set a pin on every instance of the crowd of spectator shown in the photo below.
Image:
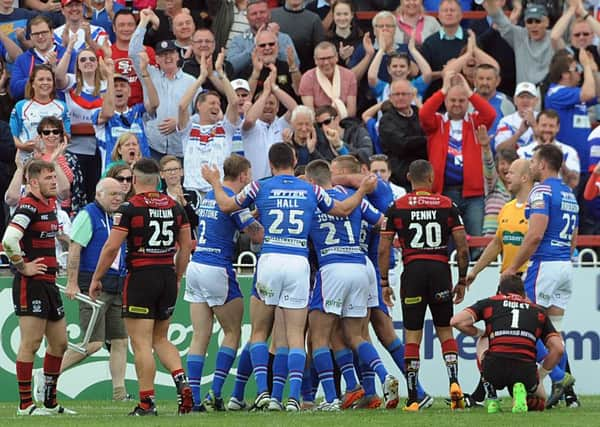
(94, 85)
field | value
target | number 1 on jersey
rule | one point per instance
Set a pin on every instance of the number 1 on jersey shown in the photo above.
(515, 318)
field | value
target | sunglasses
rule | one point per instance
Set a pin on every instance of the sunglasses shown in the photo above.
(124, 178)
(378, 158)
(263, 45)
(87, 58)
(47, 132)
(533, 21)
(326, 121)
(581, 34)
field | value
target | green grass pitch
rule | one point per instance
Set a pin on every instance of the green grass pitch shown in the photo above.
(102, 413)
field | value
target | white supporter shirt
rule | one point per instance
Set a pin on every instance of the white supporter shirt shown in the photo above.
(204, 144)
(570, 159)
(508, 126)
(98, 34)
(257, 142)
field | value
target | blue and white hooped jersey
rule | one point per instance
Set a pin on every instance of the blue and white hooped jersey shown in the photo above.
(554, 199)
(218, 231)
(337, 239)
(286, 205)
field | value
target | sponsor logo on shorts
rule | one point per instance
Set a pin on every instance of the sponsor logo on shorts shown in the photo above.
(138, 310)
(413, 300)
(333, 303)
(36, 306)
(263, 291)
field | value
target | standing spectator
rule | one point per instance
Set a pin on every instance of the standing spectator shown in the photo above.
(328, 83)
(487, 78)
(305, 36)
(44, 51)
(446, 44)
(262, 127)
(77, 27)
(413, 22)
(400, 133)
(241, 46)
(453, 149)
(162, 27)
(116, 117)
(344, 32)
(516, 129)
(229, 20)
(171, 84)
(83, 97)
(532, 45)
(571, 101)
(103, 14)
(124, 25)
(40, 101)
(183, 29)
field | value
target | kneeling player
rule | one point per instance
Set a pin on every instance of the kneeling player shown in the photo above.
(513, 325)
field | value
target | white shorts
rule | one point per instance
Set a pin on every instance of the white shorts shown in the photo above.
(341, 289)
(210, 284)
(372, 290)
(548, 283)
(283, 280)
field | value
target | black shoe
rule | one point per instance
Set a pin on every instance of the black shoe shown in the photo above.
(199, 408)
(571, 400)
(138, 411)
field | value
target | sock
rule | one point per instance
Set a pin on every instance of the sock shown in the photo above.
(296, 361)
(450, 352)
(146, 398)
(368, 379)
(396, 350)
(490, 390)
(179, 379)
(368, 354)
(306, 390)
(412, 363)
(259, 353)
(345, 361)
(324, 366)
(244, 369)
(51, 372)
(280, 372)
(225, 358)
(24, 370)
(195, 365)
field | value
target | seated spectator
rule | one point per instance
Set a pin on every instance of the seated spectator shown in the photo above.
(546, 131)
(183, 29)
(347, 136)
(328, 83)
(487, 78)
(122, 173)
(206, 136)
(532, 45)
(265, 55)
(40, 101)
(170, 82)
(126, 150)
(344, 32)
(306, 36)
(229, 20)
(242, 45)
(303, 136)
(400, 134)
(103, 14)
(77, 27)
(399, 68)
(54, 144)
(571, 101)
(453, 149)
(124, 24)
(44, 51)
(413, 22)
(516, 130)
(116, 117)
(262, 127)
(445, 44)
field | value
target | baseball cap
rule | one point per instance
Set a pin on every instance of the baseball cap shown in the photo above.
(66, 2)
(117, 76)
(526, 87)
(165, 46)
(240, 84)
(535, 11)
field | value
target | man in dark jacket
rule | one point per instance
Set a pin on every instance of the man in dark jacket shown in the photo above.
(400, 133)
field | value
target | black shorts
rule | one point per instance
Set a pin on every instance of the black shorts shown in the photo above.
(426, 283)
(505, 372)
(37, 298)
(150, 293)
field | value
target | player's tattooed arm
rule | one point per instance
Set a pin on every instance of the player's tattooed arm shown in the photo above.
(256, 232)
(73, 260)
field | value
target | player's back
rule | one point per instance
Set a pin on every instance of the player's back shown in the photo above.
(554, 199)
(424, 222)
(152, 221)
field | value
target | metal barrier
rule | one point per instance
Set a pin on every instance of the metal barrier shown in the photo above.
(239, 264)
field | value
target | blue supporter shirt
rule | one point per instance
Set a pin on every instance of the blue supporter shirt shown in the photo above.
(217, 231)
(286, 205)
(554, 199)
(575, 124)
(337, 239)
(100, 18)
(453, 174)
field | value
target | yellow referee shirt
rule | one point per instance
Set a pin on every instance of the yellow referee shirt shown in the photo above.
(512, 227)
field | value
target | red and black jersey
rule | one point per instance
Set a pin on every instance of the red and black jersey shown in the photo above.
(152, 221)
(513, 325)
(423, 221)
(38, 222)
